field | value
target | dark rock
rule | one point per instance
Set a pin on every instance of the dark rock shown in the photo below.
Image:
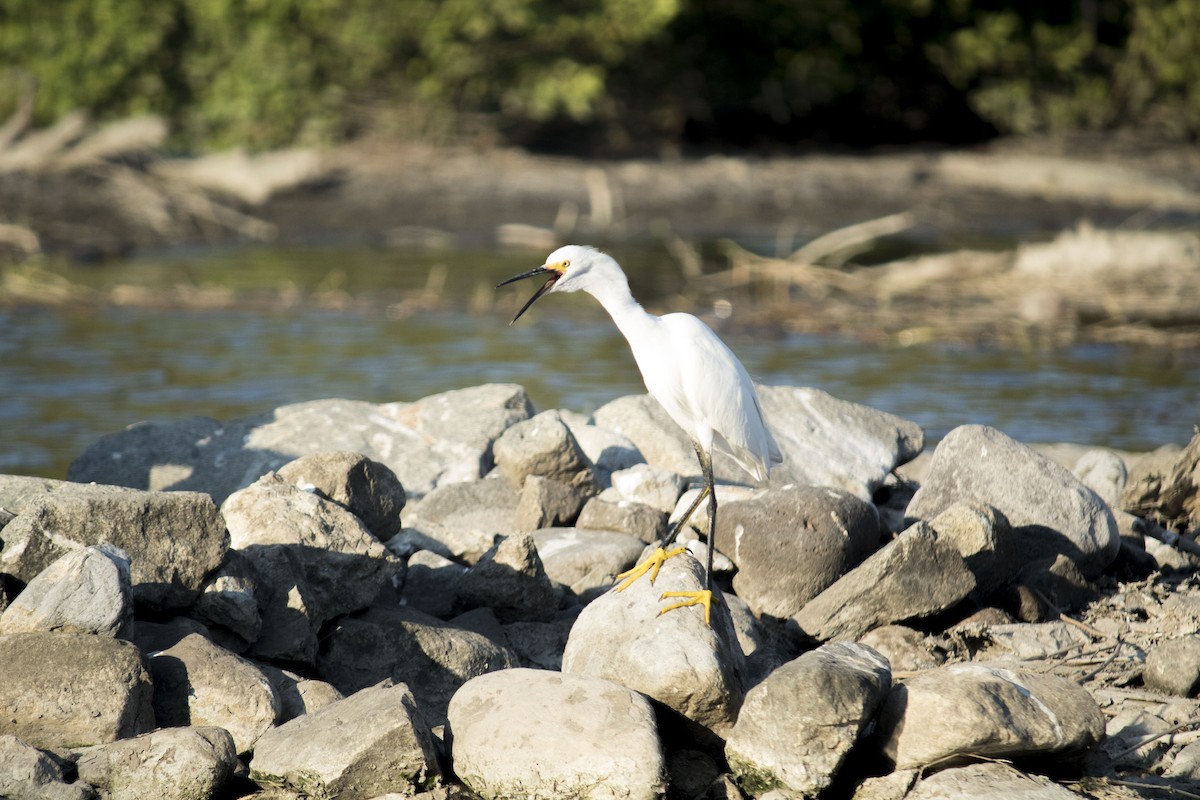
(510, 580)
(365, 488)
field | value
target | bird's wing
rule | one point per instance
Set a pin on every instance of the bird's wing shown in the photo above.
(717, 392)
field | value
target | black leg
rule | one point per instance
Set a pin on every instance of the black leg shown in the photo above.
(710, 488)
(678, 526)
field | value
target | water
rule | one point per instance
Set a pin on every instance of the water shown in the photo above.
(71, 373)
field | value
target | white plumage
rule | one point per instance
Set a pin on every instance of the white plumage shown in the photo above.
(686, 368)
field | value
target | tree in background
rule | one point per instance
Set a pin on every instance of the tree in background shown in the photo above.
(614, 74)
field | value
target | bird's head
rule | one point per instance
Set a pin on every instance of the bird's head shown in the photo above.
(571, 268)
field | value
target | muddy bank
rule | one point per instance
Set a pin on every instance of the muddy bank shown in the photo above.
(937, 276)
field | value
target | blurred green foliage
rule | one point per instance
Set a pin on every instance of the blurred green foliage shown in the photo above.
(611, 73)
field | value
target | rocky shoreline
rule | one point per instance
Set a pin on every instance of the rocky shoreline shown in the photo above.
(341, 599)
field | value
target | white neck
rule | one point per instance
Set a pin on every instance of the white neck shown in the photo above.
(626, 312)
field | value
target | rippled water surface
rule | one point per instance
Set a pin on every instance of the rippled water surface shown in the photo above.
(71, 373)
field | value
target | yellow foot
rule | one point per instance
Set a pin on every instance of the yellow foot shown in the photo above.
(652, 565)
(702, 598)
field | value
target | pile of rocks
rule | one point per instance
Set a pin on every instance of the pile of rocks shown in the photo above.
(349, 600)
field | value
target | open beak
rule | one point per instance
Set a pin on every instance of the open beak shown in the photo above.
(554, 276)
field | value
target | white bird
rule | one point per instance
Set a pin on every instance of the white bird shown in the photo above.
(690, 371)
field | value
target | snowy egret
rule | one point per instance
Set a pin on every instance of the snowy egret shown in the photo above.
(690, 372)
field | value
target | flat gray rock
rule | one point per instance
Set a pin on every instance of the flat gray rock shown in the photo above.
(439, 439)
(1173, 667)
(431, 657)
(658, 488)
(830, 442)
(585, 560)
(173, 539)
(298, 695)
(914, 575)
(459, 521)
(533, 733)
(992, 781)
(1049, 509)
(957, 712)
(677, 658)
(365, 488)
(199, 683)
(371, 743)
(72, 689)
(608, 512)
(790, 544)
(797, 726)
(86, 591)
(201, 759)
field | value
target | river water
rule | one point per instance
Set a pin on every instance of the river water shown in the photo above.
(72, 372)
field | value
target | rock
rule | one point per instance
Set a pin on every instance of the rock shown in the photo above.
(796, 727)
(586, 561)
(913, 576)
(1031, 642)
(85, 591)
(532, 733)
(433, 658)
(990, 781)
(663, 444)
(72, 689)
(1186, 765)
(431, 583)
(298, 695)
(373, 742)
(658, 488)
(343, 565)
(27, 773)
(545, 503)
(1102, 471)
(544, 446)
(367, 489)
(690, 773)
(678, 659)
(790, 544)
(830, 442)
(971, 710)
(439, 439)
(1050, 511)
(984, 539)
(539, 645)
(187, 762)
(1134, 739)
(459, 521)
(154, 637)
(198, 683)
(606, 514)
(173, 539)
(1164, 486)
(1057, 580)
(905, 649)
(606, 449)
(510, 580)
(1173, 667)
(229, 601)
(291, 612)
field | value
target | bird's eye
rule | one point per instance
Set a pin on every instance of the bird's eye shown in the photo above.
(566, 264)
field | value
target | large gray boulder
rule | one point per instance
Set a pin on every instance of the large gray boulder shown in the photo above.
(914, 575)
(694, 667)
(431, 657)
(365, 488)
(439, 439)
(343, 565)
(369, 744)
(72, 689)
(533, 733)
(824, 441)
(797, 726)
(586, 561)
(964, 711)
(790, 544)
(1050, 510)
(26, 773)
(199, 683)
(830, 442)
(86, 591)
(201, 760)
(173, 539)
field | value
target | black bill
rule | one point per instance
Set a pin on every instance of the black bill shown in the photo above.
(554, 276)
